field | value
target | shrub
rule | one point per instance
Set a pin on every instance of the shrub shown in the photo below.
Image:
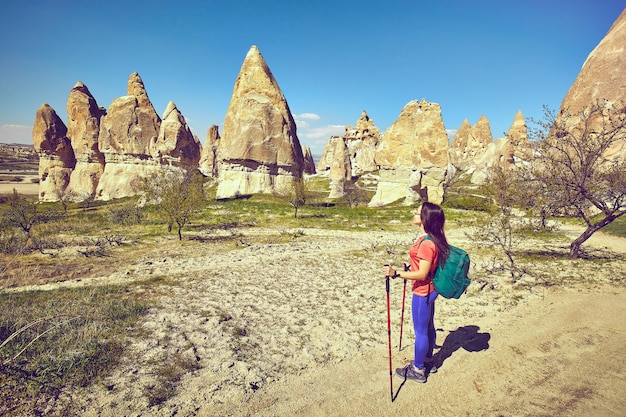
(126, 215)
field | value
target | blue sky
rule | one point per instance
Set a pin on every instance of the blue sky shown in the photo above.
(332, 59)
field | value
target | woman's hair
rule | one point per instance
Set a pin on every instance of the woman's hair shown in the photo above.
(434, 220)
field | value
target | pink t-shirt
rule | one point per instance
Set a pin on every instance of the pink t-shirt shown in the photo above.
(427, 250)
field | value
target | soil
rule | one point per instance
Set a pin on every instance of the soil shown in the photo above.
(300, 328)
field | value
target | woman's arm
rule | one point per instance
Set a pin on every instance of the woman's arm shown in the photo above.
(420, 275)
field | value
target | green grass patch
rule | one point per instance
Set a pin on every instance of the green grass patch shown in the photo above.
(61, 339)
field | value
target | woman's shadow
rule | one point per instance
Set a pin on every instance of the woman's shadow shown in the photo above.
(466, 337)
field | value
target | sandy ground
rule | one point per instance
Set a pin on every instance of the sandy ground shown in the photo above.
(300, 328)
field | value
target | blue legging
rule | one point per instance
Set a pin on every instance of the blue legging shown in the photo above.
(424, 326)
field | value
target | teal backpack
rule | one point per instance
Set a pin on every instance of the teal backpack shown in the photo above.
(450, 279)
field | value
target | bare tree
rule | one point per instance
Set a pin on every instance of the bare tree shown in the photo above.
(354, 195)
(178, 195)
(577, 167)
(22, 213)
(295, 193)
(502, 229)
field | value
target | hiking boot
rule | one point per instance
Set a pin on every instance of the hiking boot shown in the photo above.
(430, 365)
(409, 372)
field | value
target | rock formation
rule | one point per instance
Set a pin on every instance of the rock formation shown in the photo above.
(56, 156)
(83, 128)
(208, 156)
(517, 144)
(309, 162)
(105, 155)
(413, 156)
(602, 77)
(127, 131)
(470, 143)
(459, 145)
(259, 150)
(361, 141)
(175, 145)
(340, 169)
(504, 152)
(326, 160)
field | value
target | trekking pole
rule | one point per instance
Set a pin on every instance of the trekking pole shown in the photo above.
(389, 338)
(402, 317)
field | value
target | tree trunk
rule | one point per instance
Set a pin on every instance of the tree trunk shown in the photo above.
(574, 247)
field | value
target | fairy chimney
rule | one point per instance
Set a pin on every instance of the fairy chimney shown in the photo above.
(127, 131)
(340, 170)
(175, 145)
(259, 150)
(83, 128)
(208, 157)
(602, 77)
(56, 156)
(413, 156)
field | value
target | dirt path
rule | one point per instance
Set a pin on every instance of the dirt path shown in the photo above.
(299, 328)
(561, 355)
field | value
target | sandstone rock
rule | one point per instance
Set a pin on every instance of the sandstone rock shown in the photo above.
(56, 156)
(309, 163)
(326, 159)
(84, 117)
(131, 123)
(362, 142)
(175, 144)
(259, 151)
(340, 170)
(413, 156)
(208, 156)
(602, 77)
(518, 145)
(127, 131)
(458, 147)
(504, 152)
(469, 146)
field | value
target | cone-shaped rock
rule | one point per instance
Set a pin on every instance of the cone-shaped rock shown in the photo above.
(602, 77)
(517, 145)
(176, 144)
(309, 162)
(56, 156)
(131, 123)
(340, 170)
(83, 128)
(326, 160)
(413, 156)
(208, 157)
(259, 151)
(127, 131)
(362, 142)
(504, 152)
(458, 148)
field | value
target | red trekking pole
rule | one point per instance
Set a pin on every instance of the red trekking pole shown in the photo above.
(406, 268)
(389, 339)
(402, 318)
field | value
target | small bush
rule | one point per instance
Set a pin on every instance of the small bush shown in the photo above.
(126, 215)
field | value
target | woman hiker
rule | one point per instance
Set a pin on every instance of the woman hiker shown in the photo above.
(424, 256)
